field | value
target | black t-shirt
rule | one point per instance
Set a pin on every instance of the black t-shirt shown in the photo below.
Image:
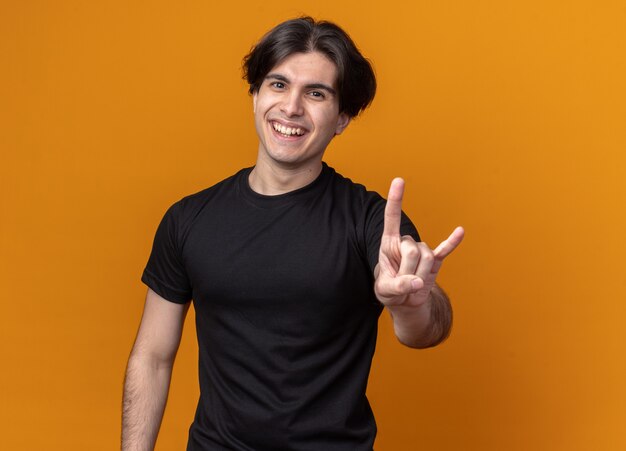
(286, 316)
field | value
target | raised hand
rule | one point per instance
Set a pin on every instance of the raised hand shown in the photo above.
(407, 270)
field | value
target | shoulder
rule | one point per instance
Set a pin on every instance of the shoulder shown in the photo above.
(356, 194)
(351, 187)
(368, 206)
(189, 206)
(182, 214)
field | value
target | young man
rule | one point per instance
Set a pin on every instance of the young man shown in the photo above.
(289, 266)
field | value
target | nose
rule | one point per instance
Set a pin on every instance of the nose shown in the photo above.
(292, 104)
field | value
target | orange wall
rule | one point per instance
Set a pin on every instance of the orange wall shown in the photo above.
(506, 117)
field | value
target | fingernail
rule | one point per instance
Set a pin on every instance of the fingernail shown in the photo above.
(416, 284)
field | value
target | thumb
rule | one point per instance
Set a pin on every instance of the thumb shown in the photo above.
(389, 287)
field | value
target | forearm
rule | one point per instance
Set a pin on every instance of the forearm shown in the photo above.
(426, 325)
(145, 394)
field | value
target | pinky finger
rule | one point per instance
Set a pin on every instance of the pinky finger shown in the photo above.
(447, 246)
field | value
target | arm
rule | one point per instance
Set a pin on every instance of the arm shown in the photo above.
(405, 279)
(149, 371)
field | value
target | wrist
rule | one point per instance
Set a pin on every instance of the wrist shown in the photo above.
(407, 309)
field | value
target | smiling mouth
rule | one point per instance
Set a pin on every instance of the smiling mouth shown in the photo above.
(287, 131)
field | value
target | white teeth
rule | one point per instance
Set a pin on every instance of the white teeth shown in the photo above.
(287, 130)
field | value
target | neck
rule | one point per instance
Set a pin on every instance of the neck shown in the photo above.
(271, 180)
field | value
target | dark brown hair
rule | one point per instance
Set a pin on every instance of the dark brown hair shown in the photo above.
(356, 81)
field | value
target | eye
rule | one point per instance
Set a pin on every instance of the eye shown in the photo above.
(277, 84)
(317, 94)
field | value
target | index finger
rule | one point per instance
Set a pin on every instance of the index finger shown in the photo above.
(393, 209)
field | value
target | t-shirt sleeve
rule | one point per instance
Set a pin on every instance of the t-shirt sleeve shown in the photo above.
(165, 273)
(374, 230)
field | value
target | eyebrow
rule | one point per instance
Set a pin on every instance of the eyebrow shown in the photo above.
(280, 77)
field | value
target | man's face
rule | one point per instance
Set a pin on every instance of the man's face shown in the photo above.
(296, 111)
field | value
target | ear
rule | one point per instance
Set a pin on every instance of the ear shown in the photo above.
(254, 96)
(342, 123)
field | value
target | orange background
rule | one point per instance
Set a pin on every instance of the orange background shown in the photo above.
(506, 117)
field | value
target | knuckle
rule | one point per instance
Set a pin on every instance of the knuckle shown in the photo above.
(411, 251)
(428, 257)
